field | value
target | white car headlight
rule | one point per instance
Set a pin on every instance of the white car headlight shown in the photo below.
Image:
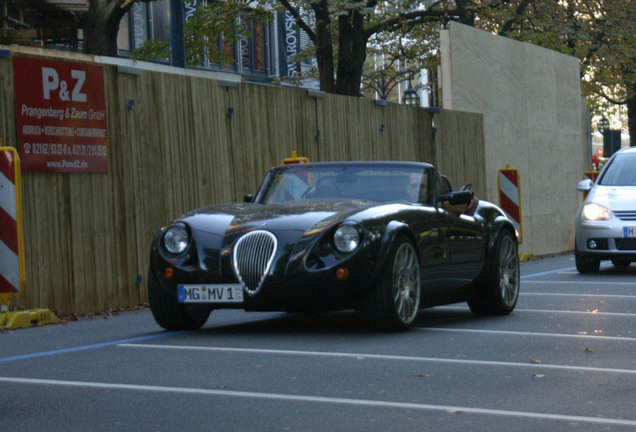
(596, 212)
(176, 239)
(346, 238)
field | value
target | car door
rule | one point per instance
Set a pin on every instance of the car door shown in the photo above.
(465, 236)
(430, 229)
(432, 244)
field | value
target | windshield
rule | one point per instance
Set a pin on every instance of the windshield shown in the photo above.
(383, 183)
(621, 171)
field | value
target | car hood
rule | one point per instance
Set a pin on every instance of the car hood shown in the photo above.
(289, 222)
(616, 198)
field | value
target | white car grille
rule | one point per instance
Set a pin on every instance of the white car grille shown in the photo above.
(626, 215)
(252, 258)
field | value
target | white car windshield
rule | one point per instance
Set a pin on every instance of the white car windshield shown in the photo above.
(621, 171)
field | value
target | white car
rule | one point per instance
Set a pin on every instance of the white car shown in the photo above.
(606, 222)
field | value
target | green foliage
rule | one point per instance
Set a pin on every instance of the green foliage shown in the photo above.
(152, 50)
(350, 33)
(213, 29)
(601, 34)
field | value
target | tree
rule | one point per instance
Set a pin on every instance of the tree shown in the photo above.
(395, 57)
(101, 24)
(342, 30)
(601, 34)
(611, 68)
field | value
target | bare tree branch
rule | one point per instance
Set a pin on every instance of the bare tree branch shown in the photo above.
(611, 99)
(518, 17)
(414, 17)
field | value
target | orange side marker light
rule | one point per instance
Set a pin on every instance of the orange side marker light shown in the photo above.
(342, 273)
(169, 272)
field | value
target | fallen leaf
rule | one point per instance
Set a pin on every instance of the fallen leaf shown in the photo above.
(590, 350)
(533, 361)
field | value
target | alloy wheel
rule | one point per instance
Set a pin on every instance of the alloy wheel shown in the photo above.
(406, 283)
(508, 271)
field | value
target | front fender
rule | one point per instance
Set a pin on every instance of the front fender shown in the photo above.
(499, 225)
(393, 229)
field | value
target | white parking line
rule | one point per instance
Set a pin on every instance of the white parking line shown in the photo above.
(552, 311)
(363, 356)
(630, 297)
(534, 334)
(545, 273)
(526, 282)
(325, 400)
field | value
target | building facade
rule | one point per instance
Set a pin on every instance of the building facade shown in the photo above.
(266, 55)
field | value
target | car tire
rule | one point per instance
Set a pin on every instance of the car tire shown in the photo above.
(621, 263)
(171, 315)
(394, 303)
(499, 292)
(586, 264)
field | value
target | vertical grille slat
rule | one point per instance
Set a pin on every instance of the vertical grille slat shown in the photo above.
(252, 259)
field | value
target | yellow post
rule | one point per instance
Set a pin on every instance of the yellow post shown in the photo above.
(12, 320)
(294, 159)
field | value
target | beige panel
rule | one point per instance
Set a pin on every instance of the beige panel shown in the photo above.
(531, 101)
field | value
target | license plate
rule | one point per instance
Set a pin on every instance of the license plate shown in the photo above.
(217, 293)
(629, 232)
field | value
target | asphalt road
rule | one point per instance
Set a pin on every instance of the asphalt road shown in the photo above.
(565, 360)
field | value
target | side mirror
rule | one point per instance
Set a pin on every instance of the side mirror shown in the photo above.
(462, 197)
(248, 198)
(584, 185)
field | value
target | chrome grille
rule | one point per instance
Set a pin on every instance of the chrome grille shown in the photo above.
(626, 215)
(252, 259)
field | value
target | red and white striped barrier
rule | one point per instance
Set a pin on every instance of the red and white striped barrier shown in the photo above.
(11, 263)
(510, 197)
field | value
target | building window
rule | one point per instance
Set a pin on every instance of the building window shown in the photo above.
(150, 21)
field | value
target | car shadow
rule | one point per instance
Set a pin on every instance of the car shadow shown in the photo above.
(611, 270)
(350, 322)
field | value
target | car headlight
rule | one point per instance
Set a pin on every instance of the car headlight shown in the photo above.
(176, 239)
(346, 238)
(596, 212)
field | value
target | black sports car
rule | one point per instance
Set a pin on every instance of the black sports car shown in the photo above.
(384, 238)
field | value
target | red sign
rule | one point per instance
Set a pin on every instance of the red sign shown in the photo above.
(61, 116)
(510, 197)
(9, 243)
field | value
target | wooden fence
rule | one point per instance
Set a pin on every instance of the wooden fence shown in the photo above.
(187, 142)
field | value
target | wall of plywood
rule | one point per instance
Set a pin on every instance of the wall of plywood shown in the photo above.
(189, 142)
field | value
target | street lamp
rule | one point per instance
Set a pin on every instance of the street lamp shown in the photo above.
(410, 96)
